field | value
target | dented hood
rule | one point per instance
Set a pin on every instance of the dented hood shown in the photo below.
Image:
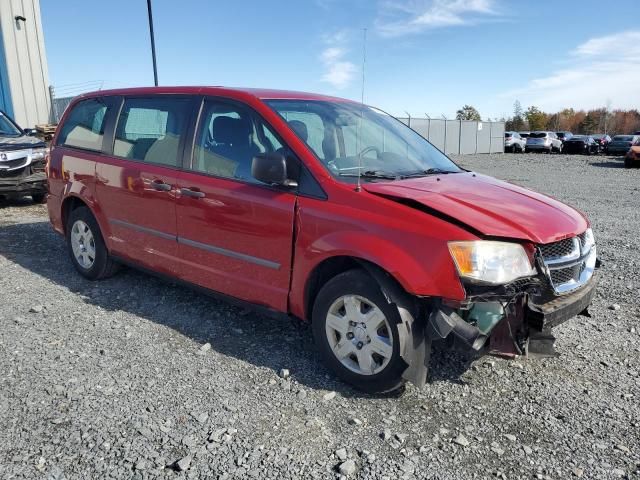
(489, 206)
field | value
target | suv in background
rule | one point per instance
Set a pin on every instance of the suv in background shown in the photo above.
(22, 161)
(513, 142)
(564, 136)
(317, 208)
(543, 142)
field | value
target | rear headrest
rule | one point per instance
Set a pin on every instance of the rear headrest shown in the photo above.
(229, 130)
(300, 128)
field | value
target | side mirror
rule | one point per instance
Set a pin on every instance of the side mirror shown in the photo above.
(31, 132)
(271, 168)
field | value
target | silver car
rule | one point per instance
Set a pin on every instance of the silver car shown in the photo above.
(513, 142)
(543, 142)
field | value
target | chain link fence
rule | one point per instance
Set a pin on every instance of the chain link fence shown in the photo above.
(61, 96)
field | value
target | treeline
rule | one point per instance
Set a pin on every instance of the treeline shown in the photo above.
(576, 121)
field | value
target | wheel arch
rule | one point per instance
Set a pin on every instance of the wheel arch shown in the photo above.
(332, 266)
(73, 202)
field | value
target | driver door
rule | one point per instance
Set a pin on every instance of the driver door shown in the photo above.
(234, 234)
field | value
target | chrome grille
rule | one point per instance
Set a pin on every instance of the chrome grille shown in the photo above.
(15, 163)
(557, 249)
(569, 263)
(14, 159)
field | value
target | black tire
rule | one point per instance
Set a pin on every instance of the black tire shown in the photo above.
(358, 282)
(627, 163)
(39, 197)
(103, 265)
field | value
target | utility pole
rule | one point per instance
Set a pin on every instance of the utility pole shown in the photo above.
(153, 44)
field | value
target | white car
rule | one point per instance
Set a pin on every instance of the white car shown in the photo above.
(514, 143)
(543, 142)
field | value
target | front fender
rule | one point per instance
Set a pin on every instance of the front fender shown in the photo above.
(421, 266)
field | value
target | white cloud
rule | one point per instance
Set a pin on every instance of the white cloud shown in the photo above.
(601, 70)
(401, 17)
(338, 71)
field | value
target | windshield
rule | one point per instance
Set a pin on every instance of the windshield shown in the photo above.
(507, 135)
(349, 138)
(7, 128)
(538, 135)
(560, 134)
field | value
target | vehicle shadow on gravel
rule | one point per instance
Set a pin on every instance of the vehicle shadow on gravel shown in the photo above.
(613, 162)
(14, 202)
(230, 330)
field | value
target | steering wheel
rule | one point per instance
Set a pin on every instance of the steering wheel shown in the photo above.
(370, 149)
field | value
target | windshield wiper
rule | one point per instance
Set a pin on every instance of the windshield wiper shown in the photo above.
(429, 171)
(372, 174)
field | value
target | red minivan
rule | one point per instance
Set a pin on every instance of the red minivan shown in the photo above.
(319, 208)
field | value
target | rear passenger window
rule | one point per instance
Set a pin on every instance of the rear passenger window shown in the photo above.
(150, 129)
(84, 126)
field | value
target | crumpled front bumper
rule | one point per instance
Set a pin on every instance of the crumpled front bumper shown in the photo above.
(541, 316)
(29, 183)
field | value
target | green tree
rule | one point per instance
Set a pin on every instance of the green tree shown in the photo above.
(468, 113)
(517, 122)
(589, 124)
(536, 119)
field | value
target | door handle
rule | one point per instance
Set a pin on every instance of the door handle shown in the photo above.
(160, 186)
(191, 193)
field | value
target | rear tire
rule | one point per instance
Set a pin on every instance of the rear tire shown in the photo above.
(627, 163)
(365, 357)
(39, 197)
(86, 246)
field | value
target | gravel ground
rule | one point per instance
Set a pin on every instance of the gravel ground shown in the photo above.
(137, 378)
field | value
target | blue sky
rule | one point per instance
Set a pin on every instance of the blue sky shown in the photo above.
(423, 56)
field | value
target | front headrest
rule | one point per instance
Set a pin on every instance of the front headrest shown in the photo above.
(300, 128)
(229, 130)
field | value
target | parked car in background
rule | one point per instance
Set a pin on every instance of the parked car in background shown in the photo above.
(620, 144)
(293, 203)
(637, 133)
(603, 140)
(564, 136)
(543, 142)
(513, 142)
(583, 144)
(632, 159)
(22, 160)
(524, 135)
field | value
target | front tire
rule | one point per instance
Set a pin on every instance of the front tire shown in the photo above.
(86, 246)
(357, 332)
(39, 197)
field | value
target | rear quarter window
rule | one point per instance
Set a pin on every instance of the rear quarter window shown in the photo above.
(84, 126)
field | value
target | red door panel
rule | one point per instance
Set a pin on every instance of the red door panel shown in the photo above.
(235, 238)
(138, 201)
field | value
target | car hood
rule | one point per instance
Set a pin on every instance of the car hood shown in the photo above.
(16, 143)
(488, 206)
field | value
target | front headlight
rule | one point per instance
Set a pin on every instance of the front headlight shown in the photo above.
(39, 153)
(491, 262)
(588, 241)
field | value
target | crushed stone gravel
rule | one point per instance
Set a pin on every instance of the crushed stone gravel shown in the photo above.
(134, 377)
